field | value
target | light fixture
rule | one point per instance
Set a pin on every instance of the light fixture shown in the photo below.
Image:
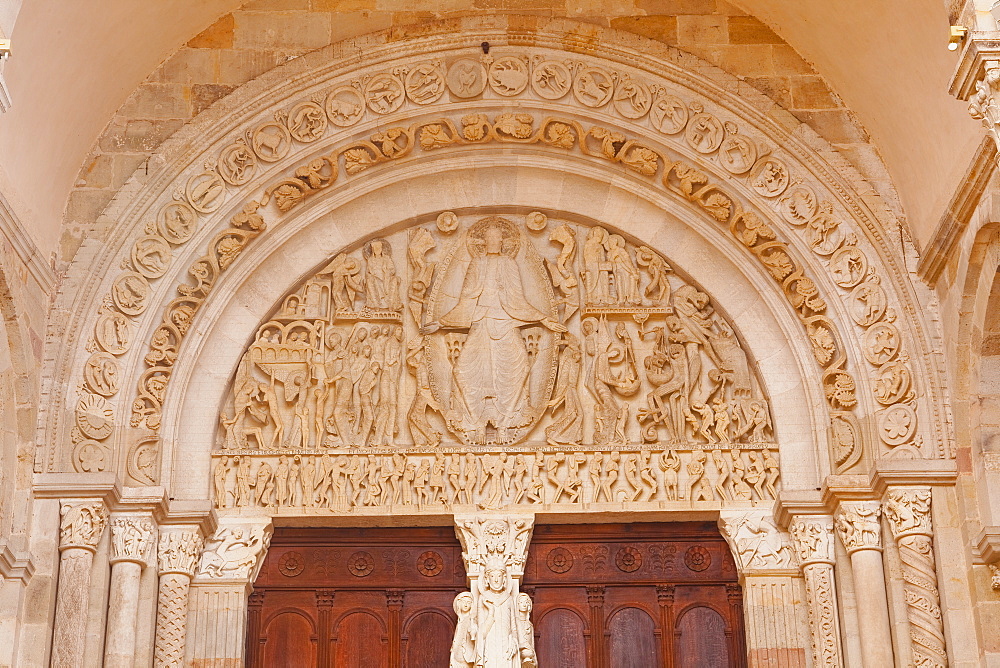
(956, 36)
(4, 49)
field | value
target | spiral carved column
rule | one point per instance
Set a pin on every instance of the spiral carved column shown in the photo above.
(178, 556)
(909, 515)
(812, 538)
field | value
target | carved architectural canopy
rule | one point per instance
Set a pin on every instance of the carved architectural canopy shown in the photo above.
(494, 359)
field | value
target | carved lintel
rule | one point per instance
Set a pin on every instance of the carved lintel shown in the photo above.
(132, 539)
(756, 541)
(858, 526)
(82, 524)
(179, 551)
(235, 552)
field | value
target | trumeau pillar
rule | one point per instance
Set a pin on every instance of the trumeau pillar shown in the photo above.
(772, 600)
(909, 514)
(178, 554)
(80, 529)
(494, 617)
(812, 538)
(860, 531)
(220, 591)
(132, 541)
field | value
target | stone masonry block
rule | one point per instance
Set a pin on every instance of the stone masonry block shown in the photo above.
(282, 31)
(219, 35)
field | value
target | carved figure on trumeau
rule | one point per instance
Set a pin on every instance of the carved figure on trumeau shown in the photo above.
(538, 372)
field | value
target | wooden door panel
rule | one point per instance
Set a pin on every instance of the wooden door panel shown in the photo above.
(632, 641)
(359, 642)
(289, 641)
(701, 639)
(560, 639)
(427, 638)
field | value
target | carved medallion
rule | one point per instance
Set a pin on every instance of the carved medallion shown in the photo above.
(697, 558)
(361, 564)
(892, 383)
(430, 564)
(94, 416)
(306, 122)
(799, 206)
(466, 78)
(101, 374)
(559, 560)
(271, 141)
(291, 564)
(384, 93)
(536, 221)
(824, 233)
(633, 99)
(425, 83)
(737, 154)
(447, 222)
(113, 332)
(490, 350)
(868, 303)
(897, 424)
(848, 266)
(130, 293)
(176, 222)
(594, 87)
(205, 192)
(669, 114)
(143, 460)
(508, 76)
(151, 256)
(705, 133)
(628, 559)
(881, 343)
(344, 106)
(90, 456)
(551, 79)
(769, 177)
(236, 164)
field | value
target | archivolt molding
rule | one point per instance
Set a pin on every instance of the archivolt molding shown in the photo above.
(657, 121)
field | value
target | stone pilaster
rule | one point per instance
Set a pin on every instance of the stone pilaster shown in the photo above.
(909, 514)
(494, 615)
(812, 539)
(178, 554)
(219, 594)
(132, 540)
(860, 531)
(80, 529)
(775, 633)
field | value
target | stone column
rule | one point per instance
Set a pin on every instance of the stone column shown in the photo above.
(80, 529)
(178, 554)
(812, 538)
(218, 614)
(909, 515)
(771, 589)
(859, 529)
(494, 548)
(131, 548)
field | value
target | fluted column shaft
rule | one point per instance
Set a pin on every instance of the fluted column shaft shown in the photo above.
(861, 533)
(908, 512)
(80, 529)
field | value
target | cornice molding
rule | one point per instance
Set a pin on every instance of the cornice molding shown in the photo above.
(21, 241)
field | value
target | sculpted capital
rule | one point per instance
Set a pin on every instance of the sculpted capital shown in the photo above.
(984, 105)
(858, 525)
(909, 512)
(179, 551)
(82, 524)
(812, 539)
(235, 552)
(132, 539)
(756, 541)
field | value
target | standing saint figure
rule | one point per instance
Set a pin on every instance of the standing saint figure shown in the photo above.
(381, 281)
(492, 369)
(497, 645)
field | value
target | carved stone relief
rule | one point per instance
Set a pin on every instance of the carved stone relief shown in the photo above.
(550, 78)
(234, 552)
(81, 524)
(756, 541)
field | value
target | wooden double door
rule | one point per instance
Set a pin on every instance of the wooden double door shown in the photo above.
(605, 596)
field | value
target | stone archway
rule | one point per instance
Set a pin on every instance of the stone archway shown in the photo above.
(317, 160)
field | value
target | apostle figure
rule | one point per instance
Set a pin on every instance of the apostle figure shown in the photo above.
(492, 369)
(381, 281)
